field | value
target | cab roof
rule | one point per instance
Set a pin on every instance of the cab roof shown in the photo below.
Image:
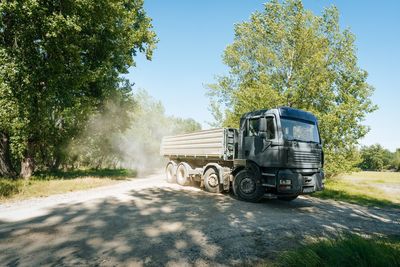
(283, 112)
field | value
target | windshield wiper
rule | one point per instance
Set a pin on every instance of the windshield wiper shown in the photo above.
(300, 140)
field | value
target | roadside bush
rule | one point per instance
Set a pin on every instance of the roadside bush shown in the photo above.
(9, 187)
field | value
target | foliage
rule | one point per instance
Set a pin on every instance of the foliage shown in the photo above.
(138, 146)
(60, 61)
(364, 188)
(376, 158)
(9, 187)
(346, 250)
(94, 147)
(285, 55)
(395, 163)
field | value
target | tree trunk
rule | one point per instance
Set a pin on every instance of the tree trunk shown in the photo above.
(27, 167)
(6, 168)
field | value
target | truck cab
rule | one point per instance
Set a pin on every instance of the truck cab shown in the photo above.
(279, 152)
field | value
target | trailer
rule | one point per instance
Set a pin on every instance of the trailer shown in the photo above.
(275, 153)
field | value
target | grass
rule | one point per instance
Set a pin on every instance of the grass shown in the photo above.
(100, 173)
(380, 189)
(348, 250)
(46, 183)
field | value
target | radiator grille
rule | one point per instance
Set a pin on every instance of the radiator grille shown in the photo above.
(305, 157)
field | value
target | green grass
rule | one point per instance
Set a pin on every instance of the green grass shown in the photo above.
(366, 188)
(100, 173)
(9, 187)
(348, 250)
(46, 183)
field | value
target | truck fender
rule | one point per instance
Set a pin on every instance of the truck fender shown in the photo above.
(237, 170)
(247, 164)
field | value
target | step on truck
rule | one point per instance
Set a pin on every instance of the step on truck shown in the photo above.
(276, 153)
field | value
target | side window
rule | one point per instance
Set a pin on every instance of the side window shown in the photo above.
(254, 127)
(270, 128)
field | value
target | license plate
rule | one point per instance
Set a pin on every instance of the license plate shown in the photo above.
(308, 190)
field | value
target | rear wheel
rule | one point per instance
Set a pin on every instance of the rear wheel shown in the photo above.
(211, 181)
(170, 172)
(246, 186)
(284, 198)
(182, 175)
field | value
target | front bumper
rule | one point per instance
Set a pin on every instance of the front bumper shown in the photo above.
(301, 183)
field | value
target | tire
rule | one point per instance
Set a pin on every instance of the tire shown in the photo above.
(247, 187)
(211, 181)
(182, 175)
(284, 198)
(170, 173)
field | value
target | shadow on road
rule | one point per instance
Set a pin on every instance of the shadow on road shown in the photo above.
(161, 226)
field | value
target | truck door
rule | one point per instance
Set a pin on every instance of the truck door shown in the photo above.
(260, 141)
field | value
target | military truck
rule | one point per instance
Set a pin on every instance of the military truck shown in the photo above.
(276, 153)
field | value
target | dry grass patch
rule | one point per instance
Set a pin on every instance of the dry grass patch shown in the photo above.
(365, 188)
(46, 184)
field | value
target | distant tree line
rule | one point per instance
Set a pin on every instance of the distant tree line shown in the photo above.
(377, 158)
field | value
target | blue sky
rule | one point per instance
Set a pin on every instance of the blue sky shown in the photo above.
(194, 34)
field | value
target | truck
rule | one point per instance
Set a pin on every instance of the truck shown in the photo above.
(275, 153)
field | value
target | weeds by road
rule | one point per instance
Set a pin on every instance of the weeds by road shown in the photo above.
(347, 250)
(364, 188)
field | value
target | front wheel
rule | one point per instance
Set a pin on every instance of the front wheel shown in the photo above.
(247, 187)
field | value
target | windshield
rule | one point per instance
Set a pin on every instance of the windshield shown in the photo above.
(297, 130)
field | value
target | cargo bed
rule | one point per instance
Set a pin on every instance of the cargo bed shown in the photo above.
(215, 143)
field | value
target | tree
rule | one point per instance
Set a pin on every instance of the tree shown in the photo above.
(287, 56)
(375, 158)
(396, 160)
(60, 61)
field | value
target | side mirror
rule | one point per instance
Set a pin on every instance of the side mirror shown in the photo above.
(263, 125)
(263, 128)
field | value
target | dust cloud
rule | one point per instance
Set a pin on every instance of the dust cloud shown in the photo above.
(127, 136)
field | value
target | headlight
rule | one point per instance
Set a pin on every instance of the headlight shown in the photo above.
(285, 181)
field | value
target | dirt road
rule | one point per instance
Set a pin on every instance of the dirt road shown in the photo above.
(149, 222)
